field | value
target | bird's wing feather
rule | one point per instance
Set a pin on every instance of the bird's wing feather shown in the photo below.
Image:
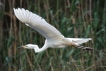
(38, 23)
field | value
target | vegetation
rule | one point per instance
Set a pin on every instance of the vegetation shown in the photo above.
(73, 18)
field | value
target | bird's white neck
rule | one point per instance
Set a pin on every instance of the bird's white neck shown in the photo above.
(37, 49)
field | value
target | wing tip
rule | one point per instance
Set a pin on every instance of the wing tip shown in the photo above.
(19, 13)
(18, 9)
(14, 9)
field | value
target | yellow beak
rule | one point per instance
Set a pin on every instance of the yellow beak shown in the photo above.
(22, 47)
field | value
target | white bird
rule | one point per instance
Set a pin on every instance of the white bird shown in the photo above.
(54, 39)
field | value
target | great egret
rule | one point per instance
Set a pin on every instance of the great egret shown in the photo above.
(53, 37)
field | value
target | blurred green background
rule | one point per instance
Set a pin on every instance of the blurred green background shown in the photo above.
(73, 18)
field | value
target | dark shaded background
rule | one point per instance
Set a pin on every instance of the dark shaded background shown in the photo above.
(73, 18)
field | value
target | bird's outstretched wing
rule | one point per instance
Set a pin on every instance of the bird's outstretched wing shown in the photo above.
(38, 23)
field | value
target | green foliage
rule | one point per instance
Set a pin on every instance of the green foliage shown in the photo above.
(73, 18)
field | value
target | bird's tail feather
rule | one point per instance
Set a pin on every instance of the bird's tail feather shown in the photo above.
(79, 41)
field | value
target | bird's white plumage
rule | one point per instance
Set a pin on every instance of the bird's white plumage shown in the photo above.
(53, 37)
(38, 23)
(79, 40)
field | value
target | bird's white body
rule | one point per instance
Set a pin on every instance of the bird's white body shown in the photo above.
(53, 37)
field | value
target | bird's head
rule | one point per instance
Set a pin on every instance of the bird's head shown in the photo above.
(35, 47)
(29, 46)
